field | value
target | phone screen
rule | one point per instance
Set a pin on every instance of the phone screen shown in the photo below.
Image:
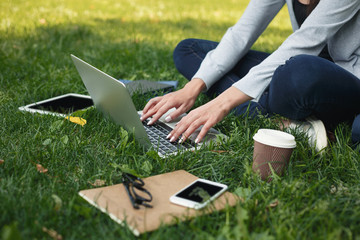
(66, 104)
(199, 192)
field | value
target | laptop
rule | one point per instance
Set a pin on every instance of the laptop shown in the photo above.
(113, 99)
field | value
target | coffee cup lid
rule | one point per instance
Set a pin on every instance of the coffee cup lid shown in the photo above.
(275, 138)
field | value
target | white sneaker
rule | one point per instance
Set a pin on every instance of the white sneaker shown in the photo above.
(315, 131)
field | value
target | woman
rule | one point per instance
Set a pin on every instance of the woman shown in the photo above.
(314, 73)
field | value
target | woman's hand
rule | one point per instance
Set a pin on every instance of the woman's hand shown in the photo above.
(182, 100)
(208, 115)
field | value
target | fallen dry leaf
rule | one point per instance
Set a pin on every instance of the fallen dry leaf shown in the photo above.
(41, 169)
(98, 183)
(52, 233)
(274, 203)
(219, 151)
(77, 120)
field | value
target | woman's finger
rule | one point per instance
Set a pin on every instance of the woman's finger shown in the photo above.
(175, 114)
(184, 125)
(161, 111)
(154, 107)
(150, 104)
(179, 129)
(204, 131)
(190, 130)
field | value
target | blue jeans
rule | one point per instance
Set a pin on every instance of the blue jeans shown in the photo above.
(304, 86)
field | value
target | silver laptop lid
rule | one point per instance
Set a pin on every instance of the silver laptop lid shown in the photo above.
(112, 98)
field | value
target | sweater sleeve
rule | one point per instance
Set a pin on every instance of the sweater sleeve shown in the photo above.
(321, 25)
(238, 40)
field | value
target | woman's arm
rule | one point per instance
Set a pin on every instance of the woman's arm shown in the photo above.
(238, 40)
(322, 24)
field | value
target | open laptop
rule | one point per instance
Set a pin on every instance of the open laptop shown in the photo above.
(112, 98)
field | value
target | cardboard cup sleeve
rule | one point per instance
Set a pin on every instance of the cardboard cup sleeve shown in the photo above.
(272, 150)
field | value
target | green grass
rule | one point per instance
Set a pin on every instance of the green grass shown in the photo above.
(318, 198)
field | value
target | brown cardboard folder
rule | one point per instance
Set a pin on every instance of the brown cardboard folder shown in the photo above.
(114, 201)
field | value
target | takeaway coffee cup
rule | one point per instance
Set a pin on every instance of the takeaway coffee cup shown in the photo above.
(272, 149)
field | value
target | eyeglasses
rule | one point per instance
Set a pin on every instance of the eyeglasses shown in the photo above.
(135, 189)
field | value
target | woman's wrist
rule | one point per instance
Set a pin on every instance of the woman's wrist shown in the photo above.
(195, 86)
(232, 98)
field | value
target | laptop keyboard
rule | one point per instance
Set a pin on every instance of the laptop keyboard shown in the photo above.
(158, 133)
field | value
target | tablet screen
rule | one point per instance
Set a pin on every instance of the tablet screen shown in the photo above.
(66, 104)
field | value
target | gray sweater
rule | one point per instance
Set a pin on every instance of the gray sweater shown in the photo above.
(332, 22)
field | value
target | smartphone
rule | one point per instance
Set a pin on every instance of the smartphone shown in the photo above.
(198, 194)
(62, 105)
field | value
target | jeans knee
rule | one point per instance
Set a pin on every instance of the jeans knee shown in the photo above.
(181, 51)
(292, 85)
(296, 72)
(300, 76)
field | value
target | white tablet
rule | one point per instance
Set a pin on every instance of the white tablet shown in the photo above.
(62, 105)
